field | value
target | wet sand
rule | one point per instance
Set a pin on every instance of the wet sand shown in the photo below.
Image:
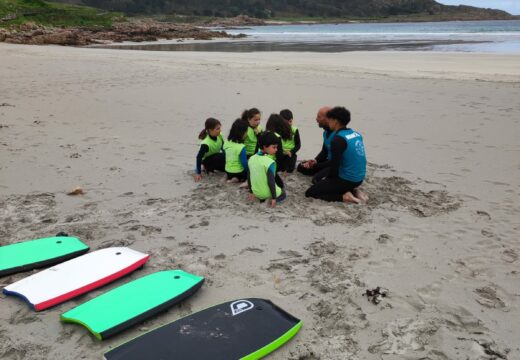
(440, 231)
(247, 46)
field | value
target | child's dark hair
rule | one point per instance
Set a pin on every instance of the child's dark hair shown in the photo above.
(286, 114)
(248, 114)
(238, 129)
(210, 124)
(277, 124)
(267, 138)
(339, 113)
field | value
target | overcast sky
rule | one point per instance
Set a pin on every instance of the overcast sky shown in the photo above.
(511, 6)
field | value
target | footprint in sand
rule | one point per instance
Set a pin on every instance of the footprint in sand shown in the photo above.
(430, 292)
(509, 256)
(487, 296)
(191, 248)
(251, 249)
(203, 223)
(144, 229)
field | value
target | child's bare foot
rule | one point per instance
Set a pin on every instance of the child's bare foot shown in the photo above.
(232, 181)
(360, 195)
(243, 185)
(348, 197)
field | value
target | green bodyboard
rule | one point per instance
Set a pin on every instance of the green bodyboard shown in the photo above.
(129, 304)
(38, 253)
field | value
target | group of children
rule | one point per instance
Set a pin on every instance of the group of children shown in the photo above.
(254, 157)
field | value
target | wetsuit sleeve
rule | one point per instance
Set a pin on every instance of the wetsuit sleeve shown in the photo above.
(249, 181)
(322, 156)
(243, 159)
(202, 151)
(337, 147)
(297, 142)
(271, 181)
(279, 155)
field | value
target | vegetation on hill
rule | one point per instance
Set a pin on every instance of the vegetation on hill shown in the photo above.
(17, 12)
(268, 9)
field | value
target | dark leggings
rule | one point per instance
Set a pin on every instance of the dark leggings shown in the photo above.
(320, 175)
(242, 176)
(289, 163)
(331, 189)
(215, 162)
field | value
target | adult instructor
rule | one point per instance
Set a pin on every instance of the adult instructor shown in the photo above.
(348, 163)
(318, 167)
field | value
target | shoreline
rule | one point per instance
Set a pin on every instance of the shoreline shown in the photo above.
(145, 30)
(248, 45)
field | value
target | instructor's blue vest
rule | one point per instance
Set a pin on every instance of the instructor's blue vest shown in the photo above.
(327, 139)
(353, 165)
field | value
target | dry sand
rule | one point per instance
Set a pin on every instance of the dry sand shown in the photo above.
(441, 231)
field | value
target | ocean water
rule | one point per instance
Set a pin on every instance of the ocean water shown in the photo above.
(487, 36)
(459, 36)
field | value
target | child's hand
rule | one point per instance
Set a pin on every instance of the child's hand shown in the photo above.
(251, 197)
(288, 153)
(197, 177)
(273, 203)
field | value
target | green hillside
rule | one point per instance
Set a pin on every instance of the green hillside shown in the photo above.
(296, 8)
(16, 12)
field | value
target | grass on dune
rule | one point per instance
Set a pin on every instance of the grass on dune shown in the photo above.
(17, 12)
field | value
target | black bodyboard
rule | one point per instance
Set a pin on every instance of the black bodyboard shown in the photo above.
(246, 328)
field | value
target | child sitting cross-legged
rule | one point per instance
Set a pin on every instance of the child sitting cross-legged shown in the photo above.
(262, 179)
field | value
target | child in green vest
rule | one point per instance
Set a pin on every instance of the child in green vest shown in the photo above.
(262, 180)
(235, 150)
(291, 146)
(252, 117)
(210, 154)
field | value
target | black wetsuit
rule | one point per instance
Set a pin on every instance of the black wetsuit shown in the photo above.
(289, 162)
(320, 170)
(212, 162)
(332, 187)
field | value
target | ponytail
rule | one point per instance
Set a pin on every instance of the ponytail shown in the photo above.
(210, 124)
(203, 134)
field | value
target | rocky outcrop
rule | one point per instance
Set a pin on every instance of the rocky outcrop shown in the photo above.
(129, 31)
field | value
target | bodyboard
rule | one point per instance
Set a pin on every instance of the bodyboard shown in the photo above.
(37, 253)
(124, 306)
(75, 277)
(244, 329)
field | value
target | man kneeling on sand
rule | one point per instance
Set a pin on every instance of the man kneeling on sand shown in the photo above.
(319, 166)
(347, 162)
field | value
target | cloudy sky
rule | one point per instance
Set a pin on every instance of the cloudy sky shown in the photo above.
(511, 6)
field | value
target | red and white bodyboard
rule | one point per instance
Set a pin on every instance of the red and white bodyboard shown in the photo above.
(77, 276)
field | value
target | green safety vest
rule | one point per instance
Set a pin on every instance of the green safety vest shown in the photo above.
(251, 140)
(258, 166)
(233, 150)
(214, 145)
(288, 145)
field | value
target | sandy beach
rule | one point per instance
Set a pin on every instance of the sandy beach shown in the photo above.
(441, 230)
